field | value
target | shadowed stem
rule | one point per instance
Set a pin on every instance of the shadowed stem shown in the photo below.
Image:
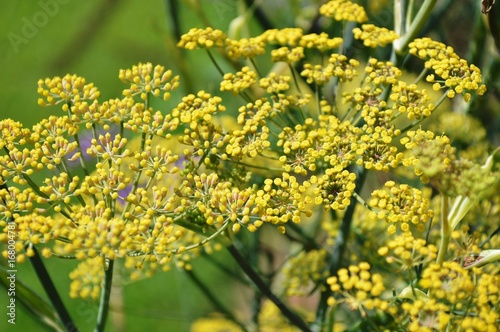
(50, 289)
(102, 315)
(264, 289)
(335, 260)
(212, 298)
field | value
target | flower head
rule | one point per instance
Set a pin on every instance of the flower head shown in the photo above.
(342, 10)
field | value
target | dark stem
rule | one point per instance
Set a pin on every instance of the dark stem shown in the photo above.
(102, 315)
(50, 289)
(260, 15)
(335, 261)
(264, 289)
(212, 298)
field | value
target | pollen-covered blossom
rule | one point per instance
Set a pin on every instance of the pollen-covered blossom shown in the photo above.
(334, 189)
(409, 99)
(401, 205)
(358, 288)
(196, 112)
(376, 149)
(144, 79)
(366, 99)
(203, 38)
(473, 291)
(238, 82)
(245, 47)
(457, 75)
(288, 55)
(284, 199)
(342, 10)
(380, 72)
(373, 36)
(284, 37)
(253, 136)
(338, 142)
(322, 42)
(408, 252)
(68, 89)
(343, 68)
(275, 83)
(339, 66)
(316, 74)
(296, 144)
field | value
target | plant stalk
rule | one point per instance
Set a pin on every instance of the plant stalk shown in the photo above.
(264, 289)
(102, 315)
(50, 289)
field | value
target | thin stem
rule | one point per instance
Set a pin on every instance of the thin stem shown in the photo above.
(264, 289)
(102, 315)
(50, 289)
(212, 58)
(212, 298)
(445, 229)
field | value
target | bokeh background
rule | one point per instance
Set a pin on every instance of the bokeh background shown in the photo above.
(97, 38)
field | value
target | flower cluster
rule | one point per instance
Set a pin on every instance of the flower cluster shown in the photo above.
(408, 252)
(68, 89)
(342, 10)
(457, 75)
(239, 82)
(203, 38)
(401, 205)
(373, 36)
(360, 288)
(144, 79)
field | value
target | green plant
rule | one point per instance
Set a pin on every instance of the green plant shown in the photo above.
(329, 154)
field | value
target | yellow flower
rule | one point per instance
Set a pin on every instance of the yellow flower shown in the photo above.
(342, 10)
(203, 38)
(400, 204)
(373, 36)
(145, 79)
(239, 82)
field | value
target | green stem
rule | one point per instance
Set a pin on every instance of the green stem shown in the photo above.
(264, 289)
(50, 289)
(212, 58)
(102, 315)
(401, 44)
(445, 229)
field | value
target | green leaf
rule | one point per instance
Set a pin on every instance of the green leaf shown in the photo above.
(32, 302)
(484, 257)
